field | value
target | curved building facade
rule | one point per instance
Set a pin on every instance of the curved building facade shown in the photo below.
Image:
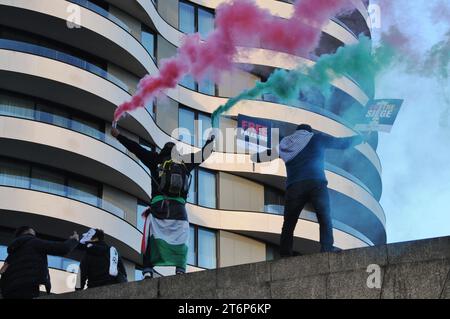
(64, 68)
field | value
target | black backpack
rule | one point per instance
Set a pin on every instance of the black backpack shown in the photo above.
(175, 179)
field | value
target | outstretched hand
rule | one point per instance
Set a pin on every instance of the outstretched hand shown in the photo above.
(115, 132)
(211, 137)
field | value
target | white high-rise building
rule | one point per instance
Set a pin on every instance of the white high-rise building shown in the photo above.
(64, 68)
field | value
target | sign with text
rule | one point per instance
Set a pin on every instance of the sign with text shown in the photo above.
(254, 133)
(258, 134)
(380, 115)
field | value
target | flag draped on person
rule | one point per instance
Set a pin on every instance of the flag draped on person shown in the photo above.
(166, 240)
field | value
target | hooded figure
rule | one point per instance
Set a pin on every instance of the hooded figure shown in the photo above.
(166, 227)
(27, 266)
(304, 155)
(101, 264)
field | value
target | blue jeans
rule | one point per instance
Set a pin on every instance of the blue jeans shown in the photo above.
(297, 195)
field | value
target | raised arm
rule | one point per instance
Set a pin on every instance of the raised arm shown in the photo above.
(147, 157)
(341, 143)
(194, 160)
(266, 156)
(58, 248)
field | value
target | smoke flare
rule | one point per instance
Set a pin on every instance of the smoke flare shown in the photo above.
(349, 60)
(239, 23)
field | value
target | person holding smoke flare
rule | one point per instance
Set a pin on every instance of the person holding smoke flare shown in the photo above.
(304, 155)
(166, 227)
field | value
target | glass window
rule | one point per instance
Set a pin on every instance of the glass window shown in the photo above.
(206, 189)
(141, 207)
(14, 106)
(204, 124)
(272, 252)
(52, 115)
(273, 201)
(192, 196)
(87, 127)
(207, 249)
(191, 259)
(70, 265)
(188, 82)
(84, 192)
(54, 262)
(187, 122)
(47, 181)
(14, 174)
(205, 22)
(101, 3)
(138, 275)
(150, 106)
(207, 87)
(187, 18)
(3, 252)
(148, 40)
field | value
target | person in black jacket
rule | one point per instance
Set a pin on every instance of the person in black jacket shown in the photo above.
(101, 264)
(26, 264)
(166, 230)
(304, 155)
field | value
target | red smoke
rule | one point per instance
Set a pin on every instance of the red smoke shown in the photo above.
(239, 23)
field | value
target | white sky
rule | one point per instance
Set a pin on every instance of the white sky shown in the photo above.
(416, 155)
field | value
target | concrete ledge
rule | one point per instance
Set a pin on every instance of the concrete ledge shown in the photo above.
(417, 269)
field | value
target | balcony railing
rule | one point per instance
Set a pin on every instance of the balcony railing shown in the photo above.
(104, 13)
(46, 186)
(62, 57)
(21, 112)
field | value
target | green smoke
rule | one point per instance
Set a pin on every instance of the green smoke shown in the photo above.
(358, 61)
(437, 61)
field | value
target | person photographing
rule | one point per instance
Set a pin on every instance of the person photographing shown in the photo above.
(166, 227)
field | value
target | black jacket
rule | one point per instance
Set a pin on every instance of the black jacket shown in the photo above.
(152, 159)
(94, 267)
(27, 262)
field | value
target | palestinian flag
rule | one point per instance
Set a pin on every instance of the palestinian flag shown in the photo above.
(166, 240)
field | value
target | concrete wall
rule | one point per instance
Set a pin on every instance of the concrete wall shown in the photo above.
(134, 24)
(167, 114)
(165, 49)
(229, 144)
(168, 9)
(166, 108)
(406, 270)
(126, 77)
(123, 201)
(238, 250)
(233, 83)
(237, 193)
